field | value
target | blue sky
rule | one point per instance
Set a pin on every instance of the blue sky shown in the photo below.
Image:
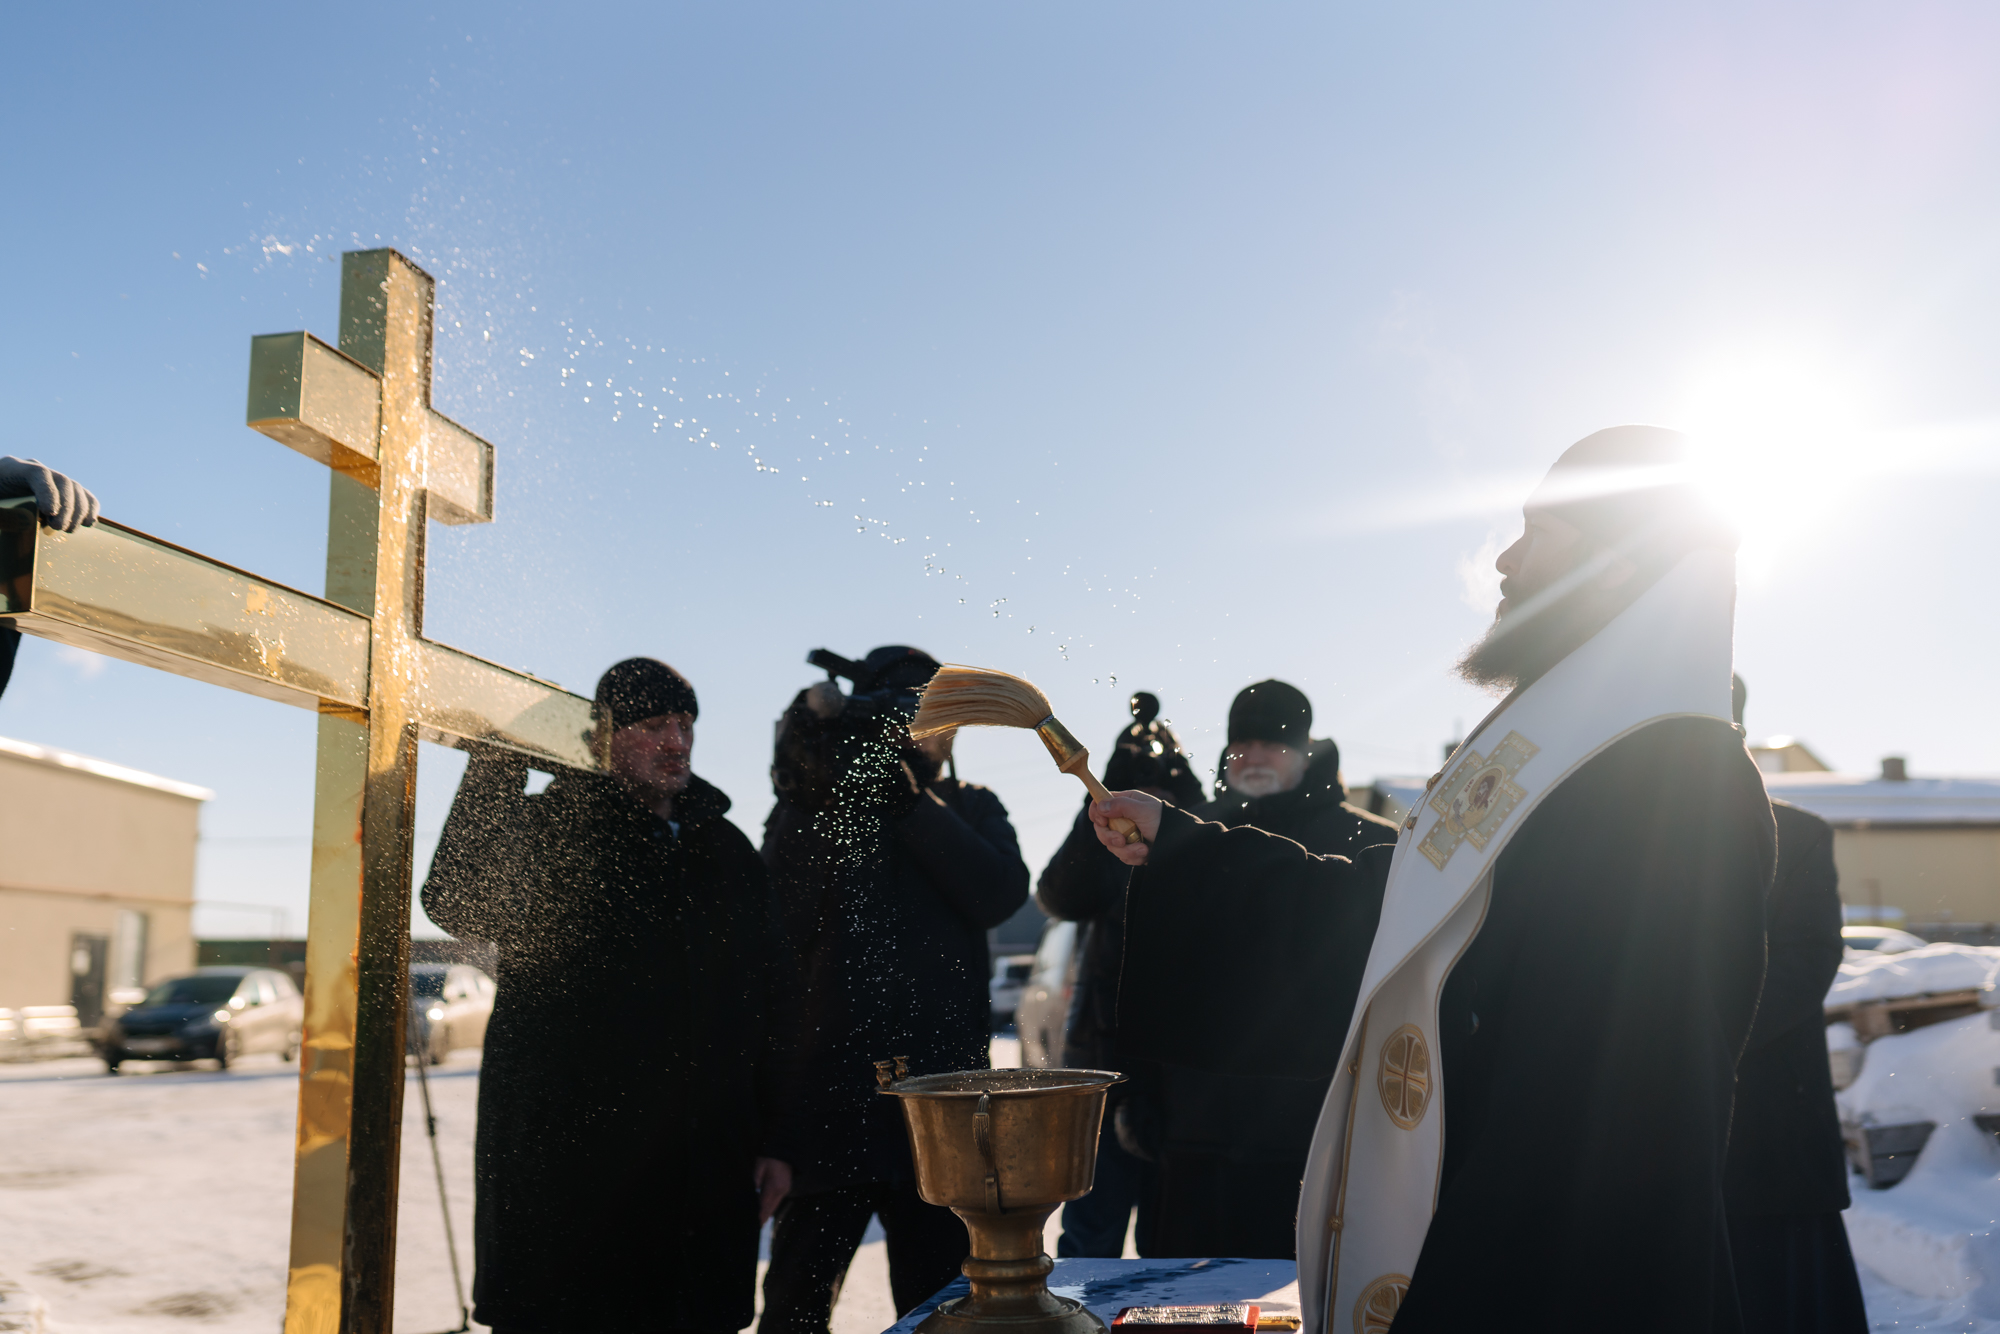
(1185, 345)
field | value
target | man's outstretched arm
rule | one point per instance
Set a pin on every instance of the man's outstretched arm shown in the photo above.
(1243, 951)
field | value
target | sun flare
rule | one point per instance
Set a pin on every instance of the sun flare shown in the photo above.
(1779, 440)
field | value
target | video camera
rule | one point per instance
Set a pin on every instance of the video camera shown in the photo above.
(825, 732)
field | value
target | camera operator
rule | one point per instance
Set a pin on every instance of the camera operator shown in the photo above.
(624, 1163)
(888, 874)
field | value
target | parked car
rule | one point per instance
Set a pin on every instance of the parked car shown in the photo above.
(42, 1032)
(215, 1014)
(1044, 1008)
(1010, 978)
(1880, 939)
(450, 1004)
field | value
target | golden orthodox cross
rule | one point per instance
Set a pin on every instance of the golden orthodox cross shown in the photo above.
(359, 659)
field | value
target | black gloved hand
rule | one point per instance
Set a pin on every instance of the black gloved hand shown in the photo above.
(62, 502)
(493, 769)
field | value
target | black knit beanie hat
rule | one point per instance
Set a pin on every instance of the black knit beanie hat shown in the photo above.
(1271, 711)
(641, 688)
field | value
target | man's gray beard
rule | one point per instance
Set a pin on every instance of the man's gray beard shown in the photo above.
(1519, 648)
(1258, 782)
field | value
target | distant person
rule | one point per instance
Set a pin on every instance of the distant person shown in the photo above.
(889, 873)
(1234, 1148)
(625, 1160)
(1785, 1182)
(62, 504)
(1084, 883)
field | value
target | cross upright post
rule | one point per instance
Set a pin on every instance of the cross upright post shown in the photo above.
(359, 659)
(357, 938)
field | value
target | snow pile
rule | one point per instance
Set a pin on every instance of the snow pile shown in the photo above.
(21, 1311)
(1941, 1073)
(1924, 972)
(1937, 1233)
(1843, 1053)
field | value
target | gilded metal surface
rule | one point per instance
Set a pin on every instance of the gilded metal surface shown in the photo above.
(460, 474)
(1062, 743)
(307, 395)
(471, 698)
(1001, 1149)
(358, 656)
(1073, 758)
(350, 1105)
(116, 591)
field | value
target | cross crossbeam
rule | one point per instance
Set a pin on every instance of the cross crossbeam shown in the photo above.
(357, 657)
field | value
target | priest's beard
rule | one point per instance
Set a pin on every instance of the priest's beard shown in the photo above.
(1538, 634)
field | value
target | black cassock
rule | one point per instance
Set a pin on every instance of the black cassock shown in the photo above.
(628, 1083)
(1589, 1034)
(1787, 1176)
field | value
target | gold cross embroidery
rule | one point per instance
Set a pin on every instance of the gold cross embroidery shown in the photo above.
(1404, 1079)
(1477, 799)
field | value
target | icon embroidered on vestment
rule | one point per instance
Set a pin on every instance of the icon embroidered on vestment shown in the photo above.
(1477, 799)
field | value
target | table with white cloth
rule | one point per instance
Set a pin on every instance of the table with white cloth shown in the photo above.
(1109, 1286)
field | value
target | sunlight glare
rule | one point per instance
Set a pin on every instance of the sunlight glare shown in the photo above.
(1779, 440)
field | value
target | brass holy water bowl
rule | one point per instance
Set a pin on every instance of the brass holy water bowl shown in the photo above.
(1001, 1149)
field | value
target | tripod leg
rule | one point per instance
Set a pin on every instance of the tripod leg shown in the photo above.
(437, 1164)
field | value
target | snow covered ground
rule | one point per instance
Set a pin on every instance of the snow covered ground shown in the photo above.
(158, 1202)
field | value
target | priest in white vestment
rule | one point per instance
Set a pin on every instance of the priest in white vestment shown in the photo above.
(1534, 1037)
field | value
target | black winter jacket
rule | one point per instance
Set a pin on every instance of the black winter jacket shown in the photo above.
(626, 1083)
(890, 948)
(1270, 1120)
(1785, 1154)
(1084, 883)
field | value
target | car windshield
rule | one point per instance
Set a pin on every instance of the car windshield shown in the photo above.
(427, 984)
(201, 989)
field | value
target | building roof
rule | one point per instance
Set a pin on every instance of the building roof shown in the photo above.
(63, 759)
(1787, 755)
(1859, 801)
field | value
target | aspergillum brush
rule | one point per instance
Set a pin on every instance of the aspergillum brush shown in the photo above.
(978, 697)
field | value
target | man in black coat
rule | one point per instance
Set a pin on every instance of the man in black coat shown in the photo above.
(1786, 1178)
(1587, 1029)
(889, 874)
(1234, 1146)
(625, 1162)
(1084, 883)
